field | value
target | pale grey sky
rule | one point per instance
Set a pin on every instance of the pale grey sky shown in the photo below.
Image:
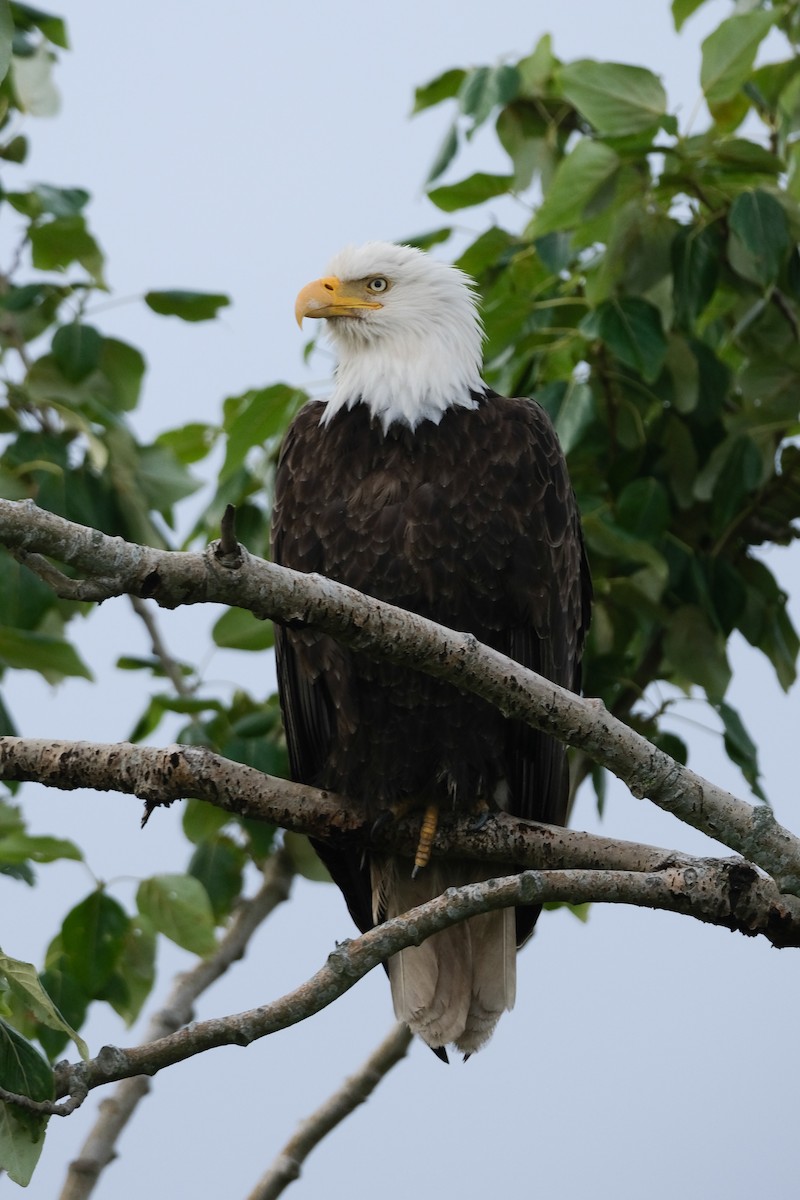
(236, 148)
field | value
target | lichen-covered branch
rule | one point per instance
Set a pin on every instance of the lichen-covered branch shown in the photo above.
(162, 775)
(114, 567)
(354, 1091)
(732, 895)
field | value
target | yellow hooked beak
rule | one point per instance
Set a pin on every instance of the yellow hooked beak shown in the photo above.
(329, 297)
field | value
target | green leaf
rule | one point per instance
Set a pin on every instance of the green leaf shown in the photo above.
(123, 366)
(76, 348)
(65, 240)
(189, 704)
(92, 938)
(696, 256)
(735, 153)
(50, 656)
(729, 53)
(25, 1072)
(490, 247)
(6, 37)
(254, 417)
(476, 189)
(135, 971)
(189, 306)
(444, 155)
(612, 541)
(260, 839)
(581, 912)
(190, 443)
(11, 820)
(643, 508)
(72, 1004)
(740, 747)
(734, 446)
(202, 821)
(59, 202)
(22, 1068)
(766, 624)
(696, 652)
(24, 981)
(571, 408)
(632, 330)
(304, 859)
(684, 373)
(674, 746)
(52, 27)
(617, 99)
(536, 68)
(238, 629)
(485, 88)
(740, 475)
(424, 241)
(682, 10)
(522, 132)
(22, 847)
(443, 87)
(162, 480)
(219, 866)
(24, 599)
(15, 150)
(578, 179)
(20, 1146)
(759, 239)
(179, 907)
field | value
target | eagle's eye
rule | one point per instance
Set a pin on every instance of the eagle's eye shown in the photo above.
(378, 284)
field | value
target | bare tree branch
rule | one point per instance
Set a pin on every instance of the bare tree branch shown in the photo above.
(354, 1091)
(161, 775)
(730, 894)
(116, 567)
(115, 1112)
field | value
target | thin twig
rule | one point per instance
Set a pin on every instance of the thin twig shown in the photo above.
(171, 667)
(354, 1091)
(98, 1150)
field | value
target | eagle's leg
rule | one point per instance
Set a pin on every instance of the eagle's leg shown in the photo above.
(426, 835)
(394, 812)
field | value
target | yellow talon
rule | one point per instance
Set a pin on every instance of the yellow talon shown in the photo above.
(426, 835)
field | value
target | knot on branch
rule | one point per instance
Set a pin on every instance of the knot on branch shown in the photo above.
(340, 960)
(227, 550)
(111, 1060)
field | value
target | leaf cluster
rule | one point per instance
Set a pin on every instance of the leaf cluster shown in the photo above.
(68, 397)
(651, 304)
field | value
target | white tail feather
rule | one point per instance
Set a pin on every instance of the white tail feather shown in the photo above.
(457, 984)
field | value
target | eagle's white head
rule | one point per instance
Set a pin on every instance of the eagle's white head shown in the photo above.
(406, 329)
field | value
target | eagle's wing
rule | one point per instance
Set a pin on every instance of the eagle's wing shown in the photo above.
(309, 663)
(551, 590)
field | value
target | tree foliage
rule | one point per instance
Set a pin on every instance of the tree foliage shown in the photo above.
(649, 297)
(651, 304)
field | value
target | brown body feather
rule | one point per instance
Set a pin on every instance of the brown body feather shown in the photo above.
(471, 522)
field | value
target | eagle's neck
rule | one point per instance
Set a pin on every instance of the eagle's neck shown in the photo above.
(414, 376)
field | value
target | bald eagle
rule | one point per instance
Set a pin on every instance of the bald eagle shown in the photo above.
(417, 484)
